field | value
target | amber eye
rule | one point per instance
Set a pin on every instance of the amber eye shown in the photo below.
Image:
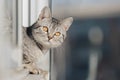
(45, 28)
(57, 34)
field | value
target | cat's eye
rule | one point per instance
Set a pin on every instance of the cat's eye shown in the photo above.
(57, 34)
(45, 28)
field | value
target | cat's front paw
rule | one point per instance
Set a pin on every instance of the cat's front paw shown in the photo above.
(38, 71)
(34, 71)
(43, 74)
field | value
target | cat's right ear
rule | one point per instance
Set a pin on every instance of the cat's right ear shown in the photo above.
(66, 23)
(45, 13)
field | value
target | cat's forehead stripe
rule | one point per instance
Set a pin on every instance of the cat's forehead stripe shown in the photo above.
(55, 21)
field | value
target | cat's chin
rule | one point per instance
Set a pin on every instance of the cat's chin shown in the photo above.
(50, 45)
(54, 46)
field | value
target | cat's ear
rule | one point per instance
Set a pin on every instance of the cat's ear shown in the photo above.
(66, 23)
(45, 13)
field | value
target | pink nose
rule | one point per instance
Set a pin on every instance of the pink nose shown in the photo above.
(49, 37)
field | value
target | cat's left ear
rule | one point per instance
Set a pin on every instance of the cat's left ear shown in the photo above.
(45, 13)
(66, 23)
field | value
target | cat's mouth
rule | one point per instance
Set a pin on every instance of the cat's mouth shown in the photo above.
(48, 42)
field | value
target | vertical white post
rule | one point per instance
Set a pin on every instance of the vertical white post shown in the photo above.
(17, 29)
(25, 13)
(10, 20)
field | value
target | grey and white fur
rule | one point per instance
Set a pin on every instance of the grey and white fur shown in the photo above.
(47, 32)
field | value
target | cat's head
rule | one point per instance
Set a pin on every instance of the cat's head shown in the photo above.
(49, 31)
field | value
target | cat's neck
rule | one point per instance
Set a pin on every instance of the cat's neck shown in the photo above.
(39, 45)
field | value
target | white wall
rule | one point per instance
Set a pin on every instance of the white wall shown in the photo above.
(5, 40)
(8, 49)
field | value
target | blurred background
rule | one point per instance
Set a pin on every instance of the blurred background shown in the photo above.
(93, 44)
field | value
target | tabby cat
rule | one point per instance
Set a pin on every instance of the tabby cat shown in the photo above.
(47, 32)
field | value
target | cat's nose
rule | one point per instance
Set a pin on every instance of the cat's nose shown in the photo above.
(49, 37)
